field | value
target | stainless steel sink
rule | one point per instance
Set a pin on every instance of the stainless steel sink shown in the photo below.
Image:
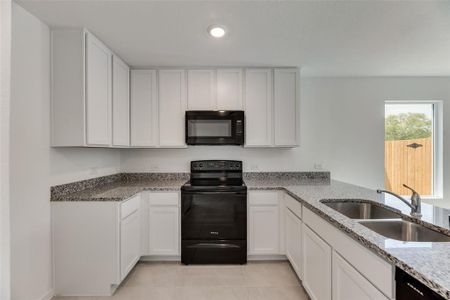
(405, 231)
(361, 210)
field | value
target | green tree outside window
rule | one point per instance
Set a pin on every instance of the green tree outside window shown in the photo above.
(407, 126)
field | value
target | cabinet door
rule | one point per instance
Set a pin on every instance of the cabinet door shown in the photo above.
(316, 266)
(164, 237)
(350, 284)
(286, 123)
(144, 113)
(98, 92)
(258, 107)
(229, 89)
(201, 90)
(121, 103)
(172, 107)
(294, 241)
(264, 230)
(130, 247)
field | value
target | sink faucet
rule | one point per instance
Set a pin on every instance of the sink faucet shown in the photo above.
(415, 205)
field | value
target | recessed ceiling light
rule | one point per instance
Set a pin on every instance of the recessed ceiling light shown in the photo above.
(216, 31)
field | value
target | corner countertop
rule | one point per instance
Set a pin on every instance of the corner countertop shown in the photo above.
(119, 191)
(429, 262)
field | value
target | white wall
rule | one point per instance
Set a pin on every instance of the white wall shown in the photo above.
(354, 128)
(5, 89)
(342, 128)
(34, 165)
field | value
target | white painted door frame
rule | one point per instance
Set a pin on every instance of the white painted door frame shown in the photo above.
(5, 84)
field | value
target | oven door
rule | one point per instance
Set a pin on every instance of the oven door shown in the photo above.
(213, 215)
(214, 127)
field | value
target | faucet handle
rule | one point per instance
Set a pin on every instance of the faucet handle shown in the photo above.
(411, 189)
(415, 197)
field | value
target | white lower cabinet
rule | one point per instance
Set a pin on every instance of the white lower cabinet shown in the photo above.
(130, 247)
(95, 245)
(317, 247)
(164, 223)
(263, 223)
(349, 284)
(293, 235)
(316, 266)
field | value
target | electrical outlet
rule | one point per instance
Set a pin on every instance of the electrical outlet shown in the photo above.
(318, 167)
(254, 167)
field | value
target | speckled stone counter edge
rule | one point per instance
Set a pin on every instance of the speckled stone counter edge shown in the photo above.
(58, 192)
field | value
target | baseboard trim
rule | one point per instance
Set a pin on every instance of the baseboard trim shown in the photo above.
(177, 258)
(48, 295)
(266, 257)
(160, 258)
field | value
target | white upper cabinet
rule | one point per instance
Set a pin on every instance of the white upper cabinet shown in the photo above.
(229, 89)
(286, 108)
(201, 89)
(144, 110)
(172, 107)
(98, 102)
(121, 103)
(82, 90)
(258, 107)
(98, 92)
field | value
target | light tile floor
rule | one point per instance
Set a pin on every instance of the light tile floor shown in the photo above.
(173, 281)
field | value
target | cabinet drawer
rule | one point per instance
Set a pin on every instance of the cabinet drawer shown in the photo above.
(293, 205)
(379, 272)
(129, 206)
(257, 198)
(163, 198)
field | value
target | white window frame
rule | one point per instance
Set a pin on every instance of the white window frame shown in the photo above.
(438, 152)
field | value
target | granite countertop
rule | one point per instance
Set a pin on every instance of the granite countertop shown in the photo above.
(429, 262)
(119, 191)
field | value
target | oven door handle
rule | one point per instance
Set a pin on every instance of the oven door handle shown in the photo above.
(211, 245)
(213, 193)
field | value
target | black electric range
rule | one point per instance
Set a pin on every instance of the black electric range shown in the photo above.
(214, 214)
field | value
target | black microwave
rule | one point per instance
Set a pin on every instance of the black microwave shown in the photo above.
(221, 127)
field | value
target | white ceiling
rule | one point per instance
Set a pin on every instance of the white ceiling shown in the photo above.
(324, 38)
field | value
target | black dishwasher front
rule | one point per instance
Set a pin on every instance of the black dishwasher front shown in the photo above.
(409, 288)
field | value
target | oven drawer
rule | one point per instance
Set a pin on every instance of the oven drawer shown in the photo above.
(235, 231)
(214, 252)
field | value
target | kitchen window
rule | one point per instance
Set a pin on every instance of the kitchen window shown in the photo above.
(413, 147)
